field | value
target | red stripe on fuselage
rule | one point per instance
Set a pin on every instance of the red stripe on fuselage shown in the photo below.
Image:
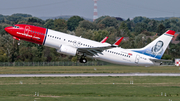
(30, 33)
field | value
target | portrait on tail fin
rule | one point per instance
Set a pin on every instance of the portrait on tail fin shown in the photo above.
(157, 49)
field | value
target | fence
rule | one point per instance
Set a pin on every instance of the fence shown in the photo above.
(61, 63)
(65, 63)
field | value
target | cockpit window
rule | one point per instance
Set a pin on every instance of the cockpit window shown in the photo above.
(16, 26)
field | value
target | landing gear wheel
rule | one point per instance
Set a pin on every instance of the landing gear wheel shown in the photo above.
(82, 60)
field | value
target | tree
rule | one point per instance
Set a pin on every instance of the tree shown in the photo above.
(140, 40)
(109, 21)
(178, 38)
(49, 24)
(139, 19)
(100, 34)
(123, 29)
(9, 46)
(73, 22)
(152, 25)
(74, 58)
(35, 21)
(60, 25)
(161, 29)
(21, 15)
(140, 27)
(87, 25)
(100, 19)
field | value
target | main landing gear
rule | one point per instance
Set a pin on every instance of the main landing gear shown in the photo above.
(82, 59)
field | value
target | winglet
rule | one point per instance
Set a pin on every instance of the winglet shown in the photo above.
(104, 40)
(118, 41)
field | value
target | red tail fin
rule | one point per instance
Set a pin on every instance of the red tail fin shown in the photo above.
(118, 41)
(104, 40)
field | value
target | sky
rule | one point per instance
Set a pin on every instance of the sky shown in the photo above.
(84, 8)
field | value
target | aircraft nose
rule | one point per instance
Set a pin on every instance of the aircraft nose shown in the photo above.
(8, 29)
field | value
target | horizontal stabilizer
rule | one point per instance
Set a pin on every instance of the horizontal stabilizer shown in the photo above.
(160, 60)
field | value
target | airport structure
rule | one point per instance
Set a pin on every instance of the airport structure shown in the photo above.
(95, 10)
(177, 62)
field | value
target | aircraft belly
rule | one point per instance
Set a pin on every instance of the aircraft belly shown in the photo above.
(115, 59)
(123, 60)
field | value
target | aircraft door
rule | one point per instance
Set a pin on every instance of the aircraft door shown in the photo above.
(137, 59)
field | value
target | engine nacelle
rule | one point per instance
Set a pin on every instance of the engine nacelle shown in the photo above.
(68, 50)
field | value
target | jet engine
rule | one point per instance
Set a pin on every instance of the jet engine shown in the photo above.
(68, 50)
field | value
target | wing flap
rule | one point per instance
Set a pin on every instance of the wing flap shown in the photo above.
(94, 50)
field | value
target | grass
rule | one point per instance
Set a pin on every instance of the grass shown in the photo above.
(87, 69)
(90, 88)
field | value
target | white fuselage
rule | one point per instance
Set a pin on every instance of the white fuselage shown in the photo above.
(115, 55)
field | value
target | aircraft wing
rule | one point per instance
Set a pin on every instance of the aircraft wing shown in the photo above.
(94, 50)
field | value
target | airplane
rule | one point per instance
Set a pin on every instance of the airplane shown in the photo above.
(73, 45)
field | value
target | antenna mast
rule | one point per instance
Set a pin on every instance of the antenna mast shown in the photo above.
(95, 10)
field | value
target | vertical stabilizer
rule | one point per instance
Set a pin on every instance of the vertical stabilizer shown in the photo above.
(157, 47)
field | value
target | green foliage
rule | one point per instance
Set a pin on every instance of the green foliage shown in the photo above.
(139, 19)
(123, 30)
(87, 25)
(167, 57)
(109, 21)
(99, 35)
(74, 59)
(21, 15)
(49, 24)
(90, 88)
(161, 29)
(140, 40)
(73, 22)
(100, 19)
(60, 25)
(178, 38)
(35, 21)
